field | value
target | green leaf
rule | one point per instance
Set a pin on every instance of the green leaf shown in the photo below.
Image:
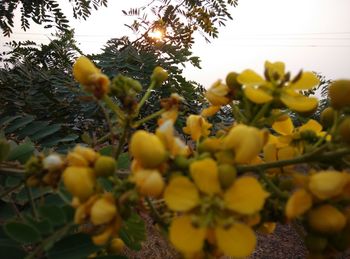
(19, 123)
(22, 196)
(54, 214)
(106, 151)
(32, 128)
(70, 137)
(73, 247)
(124, 161)
(47, 131)
(133, 232)
(11, 249)
(4, 150)
(44, 226)
(23, 233)
(7, 119)
(21, 153)
(12, 181)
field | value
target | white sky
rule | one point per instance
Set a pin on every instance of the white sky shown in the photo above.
(309, 34)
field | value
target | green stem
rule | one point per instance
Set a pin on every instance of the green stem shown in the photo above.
(309, 157)
(122, 140)
(145, 97)
(11, 189)
(103, 138)
(157, 217)
(261, 113)
(48, 240)
(32, 203)
(274, 188)
(239, 117)
(109, 122)
(113, 106)
(147, 118)
(12, 172)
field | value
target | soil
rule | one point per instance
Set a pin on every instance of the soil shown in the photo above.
(284, 243)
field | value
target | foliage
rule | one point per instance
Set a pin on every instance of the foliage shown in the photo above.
(46, 12)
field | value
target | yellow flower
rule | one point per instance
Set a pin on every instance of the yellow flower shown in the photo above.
(326, 219)
(147, 149)
(206, 176)
(87, 153)
(174, 145)
(185, 237)
(238, 240)
(327, 184)
(246, 142)
(103, 210)
(298, 204)
(79, 181)
(275, 87)
(181, 194)
(210, 111)
(246, 196)
(149, 182)
(87, 74)
(217, 94)
(197, 127)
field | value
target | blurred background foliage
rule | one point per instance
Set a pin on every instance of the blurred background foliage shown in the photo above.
(36, 81)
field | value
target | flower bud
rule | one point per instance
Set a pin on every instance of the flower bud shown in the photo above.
(231, 80)
(52, 162)
(327, 117)
(117, 245)
(159, 75)
(105, 166)
(79, 181)
(339, 93)
(149, 182)
(227, 175)
(344, 130)
(103, 210)
(88, 153)
(217, 94)
(148, 149)
(326, 219)
(74, 159)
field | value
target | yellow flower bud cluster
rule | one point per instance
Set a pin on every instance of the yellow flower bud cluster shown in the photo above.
(93, 81)
(44, 171)
(320, 203)
(101, 211)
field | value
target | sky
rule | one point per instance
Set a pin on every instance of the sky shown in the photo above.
(313, 35)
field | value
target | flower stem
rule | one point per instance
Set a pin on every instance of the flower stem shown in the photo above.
(274, 188)
(113, 106)
(147, 118)
(32, 203)
(145, 97)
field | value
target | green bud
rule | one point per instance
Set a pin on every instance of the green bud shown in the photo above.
(315, 243)
(33, 165)
(327, 117)
(105, 166)
(344, 130)
(159, 75)
(181, 162)
(227, 175)
(339, 94)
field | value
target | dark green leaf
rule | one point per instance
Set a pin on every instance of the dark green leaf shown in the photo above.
(46, 132)
(21, 153)
(106, 151)
(44, 226)
(124, 161)
(12, 181)
(54, 214)
(133, 232)
(10, 249)
(32, 128)
(19, 123)
(4, 150)
(23, 233)
(73, 247)
(7, 119)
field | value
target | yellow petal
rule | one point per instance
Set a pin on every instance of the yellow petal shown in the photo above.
(216, 94)
(275, 68)
(185, 237)
(237, 241)
(311, 125)
(197, 127)
(307, 81)
(246, 142)
(103, 211)
(270, 153)
(257, 95)
(250, 78)
(245, 196)
(286, 153)
(205, 175)
(326, 219)
(299, 103)
(181, 194)
(298, 203)
(327, 184)
(210, 111)
(283, 127)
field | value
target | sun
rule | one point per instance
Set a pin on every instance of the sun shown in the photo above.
(156, 34)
